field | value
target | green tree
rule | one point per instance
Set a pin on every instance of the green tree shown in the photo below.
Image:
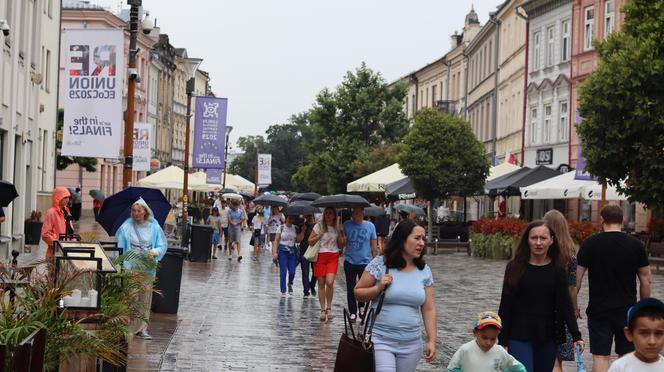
(245, 164)
(622, 104)
(442, 157)
(288, 153)
(62, 162)
(346, 125)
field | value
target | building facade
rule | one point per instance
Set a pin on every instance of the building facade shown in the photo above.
(179, 108)
(162, 61)
(28, 111)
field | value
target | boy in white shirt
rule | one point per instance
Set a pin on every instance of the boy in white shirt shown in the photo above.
(482, 354)
(645, 328)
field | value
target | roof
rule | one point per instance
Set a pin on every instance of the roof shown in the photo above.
(80, 4)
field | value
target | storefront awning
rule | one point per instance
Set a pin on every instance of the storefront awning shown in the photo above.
(509, 185)
(376, 181)
(400, 190)
(565, 186)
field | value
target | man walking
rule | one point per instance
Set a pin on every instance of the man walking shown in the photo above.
(360, 237)
(220, 204)
(613, 260)
(236, 219)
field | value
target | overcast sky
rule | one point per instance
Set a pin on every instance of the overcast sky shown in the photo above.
(271, 57)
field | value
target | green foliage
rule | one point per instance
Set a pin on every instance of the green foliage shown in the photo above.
(245, 164)
(622, 104)
(494, 246)
(62, 162)
(442, 157)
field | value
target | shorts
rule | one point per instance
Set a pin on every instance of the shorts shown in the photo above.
(272, 236)
(215, 237)
(603, 329)
(259, 239)
(234, 235)
(327, 263)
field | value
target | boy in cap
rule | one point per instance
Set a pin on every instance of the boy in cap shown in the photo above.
(645, 328)
(482, 354)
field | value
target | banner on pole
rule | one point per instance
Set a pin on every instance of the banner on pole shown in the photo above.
(93, 82)
(213, 176)
(142, 146)
(210, 132)
(581, 173)
(264, 169)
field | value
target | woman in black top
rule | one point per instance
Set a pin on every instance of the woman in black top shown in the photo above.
(535, 304)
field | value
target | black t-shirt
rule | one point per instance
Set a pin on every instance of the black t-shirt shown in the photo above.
(382, 224)
(613, 260)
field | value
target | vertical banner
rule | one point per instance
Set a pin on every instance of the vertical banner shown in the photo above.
(213, 176)
(264, 169)
(210, 132)
(93, 82)
(581, 173)
(142, 146)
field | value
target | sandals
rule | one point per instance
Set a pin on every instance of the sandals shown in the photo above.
(328, 312)
(323, 315)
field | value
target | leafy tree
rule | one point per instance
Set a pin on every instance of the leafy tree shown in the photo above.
(379, 157)
(62, 162)
(622, 104)
(442, 157)
(346, 125)
(245, 164)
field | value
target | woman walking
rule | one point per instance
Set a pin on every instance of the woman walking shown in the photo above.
(258, 226)
(285, 251)
(535, 304)
(274, 221)
(409, 298)
(142, 234)
(328, 232)
(58, 220)
(308, 278)
(558, 224)
(214, 221)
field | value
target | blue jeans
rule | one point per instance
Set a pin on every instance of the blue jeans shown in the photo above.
(535, 357)
(353, 273)
(308, 283)
(287, 262)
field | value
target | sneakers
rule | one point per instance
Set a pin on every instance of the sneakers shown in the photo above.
(215, 257)
(283, 294)
(306, 295)
(290, 288)
(313, 292)
(144, 335)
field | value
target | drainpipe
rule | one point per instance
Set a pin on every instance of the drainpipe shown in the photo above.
(525, 83)
(494, 128)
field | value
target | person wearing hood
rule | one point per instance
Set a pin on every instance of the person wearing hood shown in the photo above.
(141, 233)
(58, 219)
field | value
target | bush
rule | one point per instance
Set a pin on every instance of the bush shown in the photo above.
(505, 226)
(494, 246)
(579, 231)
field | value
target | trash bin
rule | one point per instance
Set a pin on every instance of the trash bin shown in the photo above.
(169, 277)
(200, 243)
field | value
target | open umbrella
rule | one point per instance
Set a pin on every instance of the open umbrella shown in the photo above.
(97, 195)
(374, 211)
(117, 207)
(341, 201)
(7, 193)
(299, 209)
(271, 200)
(227, 190)
(232, 195)
(247, 196)
(311, 196)
(411, 208)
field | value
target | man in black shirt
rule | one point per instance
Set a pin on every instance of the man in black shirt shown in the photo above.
(613, 260)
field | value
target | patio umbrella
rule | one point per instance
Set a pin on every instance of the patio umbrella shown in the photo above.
(7, 193)
(311, 196)
(232, 195)
(271, 200)
(409, 208)
(299, 209)
(341, 201)
(97, 195)
(374, 211)
(117, 207)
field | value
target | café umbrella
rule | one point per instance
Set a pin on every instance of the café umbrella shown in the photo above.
(117, 207)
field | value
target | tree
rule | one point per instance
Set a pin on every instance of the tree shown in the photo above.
(622, 105)
(62, 162)
(347, 124)
(442, 157)
(245, 164)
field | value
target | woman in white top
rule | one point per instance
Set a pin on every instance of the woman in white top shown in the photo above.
(328, 232)
(275, 220)
(258, 224)
(285, 250)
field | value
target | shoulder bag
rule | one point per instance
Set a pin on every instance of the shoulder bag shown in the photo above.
(311, 254)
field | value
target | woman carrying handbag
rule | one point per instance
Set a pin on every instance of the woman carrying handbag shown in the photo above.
(409, 297)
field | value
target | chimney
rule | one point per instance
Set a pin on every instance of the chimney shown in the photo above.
(454, 41)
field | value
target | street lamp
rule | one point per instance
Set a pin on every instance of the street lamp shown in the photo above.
(228, 132)
(190, 66)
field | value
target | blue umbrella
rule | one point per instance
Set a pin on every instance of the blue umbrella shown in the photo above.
(117, 207)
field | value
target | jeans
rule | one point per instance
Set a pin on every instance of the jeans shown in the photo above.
(353, 273)
(396, 356)
(287, 262)
(535, 357)
(308, 283)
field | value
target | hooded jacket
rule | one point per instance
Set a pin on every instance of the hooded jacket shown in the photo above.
(54, 220)
(158, 242)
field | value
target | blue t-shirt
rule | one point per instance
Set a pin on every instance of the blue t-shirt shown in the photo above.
(236, 218)
(358, 242)
(400, 317)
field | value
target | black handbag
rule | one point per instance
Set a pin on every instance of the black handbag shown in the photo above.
(356, 350)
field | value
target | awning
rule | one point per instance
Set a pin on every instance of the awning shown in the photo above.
(509, 184)
(501, 170)
(170, 177)
(400, 190)
(376, 181)
(233, 181)
(565, 186)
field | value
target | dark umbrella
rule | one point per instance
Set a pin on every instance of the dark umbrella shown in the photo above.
(341, 201)
(7, 193)
(247, 196)
(374, 211)
(311, 196)
(117, 207)
(410, 208)
(299, 209)
(271, 200)
(97, 195)
(228, 190)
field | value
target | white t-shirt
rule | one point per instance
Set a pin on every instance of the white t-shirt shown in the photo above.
(223, 214)
(470, 358)
(328, 243)
(258, 222)
(274, 222)
(630, 363)
(288, 235)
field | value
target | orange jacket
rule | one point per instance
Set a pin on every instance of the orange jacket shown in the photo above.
(54, 220)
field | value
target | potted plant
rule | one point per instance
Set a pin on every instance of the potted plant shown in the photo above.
(32, 228)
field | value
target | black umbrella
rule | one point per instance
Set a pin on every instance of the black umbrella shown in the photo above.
(400, 190)
(228, 190)
(299, 209)
(311, 196)
(7, 193)
(271, 200)
(247, 196)
(374, 211)
(117, 207)
(341, 201)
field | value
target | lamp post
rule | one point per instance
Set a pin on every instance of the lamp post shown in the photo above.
(228, 132)
(190, 66)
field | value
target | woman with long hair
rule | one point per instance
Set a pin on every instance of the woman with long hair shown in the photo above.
(558, 224)
(284, 251)
(409, 298)
(535, 304)
(258, 226)
(328, 232)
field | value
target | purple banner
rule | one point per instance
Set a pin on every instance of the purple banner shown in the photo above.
(213, 176)
(581, 173)
(209, 132)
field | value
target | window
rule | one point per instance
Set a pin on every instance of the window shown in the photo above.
(565, 41)
(550, 38)
(609, 15)
(433, 96)
(547, 124)
(536, 51)
(47, 75)
(426, 99)
(50, 8)
(562, 130)
(490, 57)
(533, 125)
(413, 104)
(588, 28)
